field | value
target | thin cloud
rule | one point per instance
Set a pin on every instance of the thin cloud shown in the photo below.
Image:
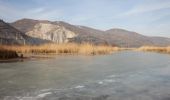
(34, 13)
(147, 7)
(36, 10)
(44, 13)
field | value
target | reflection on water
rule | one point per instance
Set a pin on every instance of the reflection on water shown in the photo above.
(120, 76)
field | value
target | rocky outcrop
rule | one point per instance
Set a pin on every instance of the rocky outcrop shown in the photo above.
(48, 31)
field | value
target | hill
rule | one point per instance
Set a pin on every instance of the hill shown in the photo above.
(62, 32)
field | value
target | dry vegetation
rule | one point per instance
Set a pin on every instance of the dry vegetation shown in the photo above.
(155, 49)
(84, 49)
(7, 54)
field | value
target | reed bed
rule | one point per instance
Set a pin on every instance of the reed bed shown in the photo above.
(7, 54)
(155, 49)
(70, 48)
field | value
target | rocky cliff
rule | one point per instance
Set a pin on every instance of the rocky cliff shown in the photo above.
(51, 32)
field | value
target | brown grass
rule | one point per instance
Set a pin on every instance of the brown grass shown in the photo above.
(84, 49)
(155, 49)
(7, 54)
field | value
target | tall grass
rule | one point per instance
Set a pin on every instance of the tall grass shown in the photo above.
(70, 48)
(155, 49)
(7, 54)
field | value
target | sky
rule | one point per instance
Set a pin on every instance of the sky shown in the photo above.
(147, 17)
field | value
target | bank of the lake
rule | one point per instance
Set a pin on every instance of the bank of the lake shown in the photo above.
(154, 49)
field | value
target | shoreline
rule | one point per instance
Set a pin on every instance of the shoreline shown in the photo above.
(27, 57)
(40, 56)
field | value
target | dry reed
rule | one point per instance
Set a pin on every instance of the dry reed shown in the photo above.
(155, 49)
(70, 48)
(7, 54)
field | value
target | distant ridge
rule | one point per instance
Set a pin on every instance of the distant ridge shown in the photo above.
(64, 32)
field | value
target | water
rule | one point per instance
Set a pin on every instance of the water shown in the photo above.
(124, 75)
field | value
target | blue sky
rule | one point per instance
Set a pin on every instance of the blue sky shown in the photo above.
(148, 17)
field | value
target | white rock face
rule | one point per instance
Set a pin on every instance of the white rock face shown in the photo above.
(51, 32)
